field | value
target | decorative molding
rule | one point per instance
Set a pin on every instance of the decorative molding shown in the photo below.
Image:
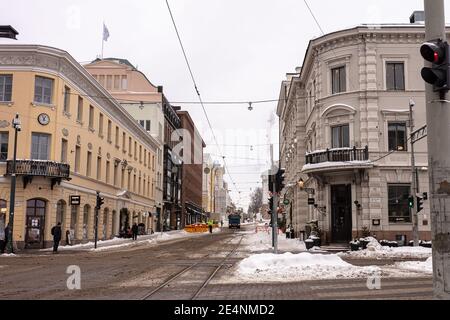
(340, 106)
(99, 151)
(108, 155)
(78, 139)
(4, 124)
(65, 132)
(89, 146)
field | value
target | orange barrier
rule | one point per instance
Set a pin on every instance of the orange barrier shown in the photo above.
(199, 227)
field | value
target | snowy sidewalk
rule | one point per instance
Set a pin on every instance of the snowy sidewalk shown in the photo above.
(119, 243)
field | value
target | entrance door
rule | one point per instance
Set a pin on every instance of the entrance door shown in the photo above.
(34, 237)
(341, 213)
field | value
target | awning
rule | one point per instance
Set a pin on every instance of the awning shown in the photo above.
(193, 209)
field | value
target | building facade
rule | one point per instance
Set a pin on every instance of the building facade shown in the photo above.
(344, 128)
(73, 142)
(143, 101)
(192, 170)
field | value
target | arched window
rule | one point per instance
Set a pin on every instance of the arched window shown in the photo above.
(73, 222)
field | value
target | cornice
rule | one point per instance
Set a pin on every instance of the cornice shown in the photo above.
(30, 57)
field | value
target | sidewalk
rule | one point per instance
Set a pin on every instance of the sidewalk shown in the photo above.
(115, 243)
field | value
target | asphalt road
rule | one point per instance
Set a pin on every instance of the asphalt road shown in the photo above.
(178, 269)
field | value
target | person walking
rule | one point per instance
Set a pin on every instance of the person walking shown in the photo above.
(2, 239)
(210, 226)
(135, 230)
(56, 233)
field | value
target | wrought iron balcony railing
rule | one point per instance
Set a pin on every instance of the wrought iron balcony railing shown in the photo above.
(338, 155)
(44, 168)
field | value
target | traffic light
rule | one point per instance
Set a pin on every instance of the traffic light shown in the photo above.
(419, 203)
(279, 180)
(436, 52)
(411, 202)
(271, 178)
(99, 202)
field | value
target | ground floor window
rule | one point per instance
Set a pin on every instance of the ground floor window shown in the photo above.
(398, 203)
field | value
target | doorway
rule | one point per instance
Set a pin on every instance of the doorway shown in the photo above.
(35, 224)
(341, 213)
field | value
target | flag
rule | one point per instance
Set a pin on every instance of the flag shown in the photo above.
(105, 33)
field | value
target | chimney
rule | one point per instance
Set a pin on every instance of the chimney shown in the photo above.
(417, 17)
(160, 89)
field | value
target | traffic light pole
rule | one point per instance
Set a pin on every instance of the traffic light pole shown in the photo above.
(274, 206)
(96, 227)
(438, 119)
(414, 188)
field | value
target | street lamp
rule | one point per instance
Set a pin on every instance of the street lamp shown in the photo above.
(12, 199)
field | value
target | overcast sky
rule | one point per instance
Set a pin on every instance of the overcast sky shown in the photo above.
(240, 50)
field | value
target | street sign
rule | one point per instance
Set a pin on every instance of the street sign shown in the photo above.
(311, 201)
(286, 202)
(75, 200)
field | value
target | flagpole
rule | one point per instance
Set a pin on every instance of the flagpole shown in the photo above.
(103, 37)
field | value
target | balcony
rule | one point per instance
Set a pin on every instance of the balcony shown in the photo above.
(337, 159)
(42, 168)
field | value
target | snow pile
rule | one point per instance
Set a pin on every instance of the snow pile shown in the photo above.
(418, 266)
(301, 266)
(262, 241)
(376, 251)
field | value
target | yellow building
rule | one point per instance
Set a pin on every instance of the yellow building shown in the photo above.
(75, 139)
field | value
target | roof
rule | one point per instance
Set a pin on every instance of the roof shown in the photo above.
(117, 60)
(8, 32)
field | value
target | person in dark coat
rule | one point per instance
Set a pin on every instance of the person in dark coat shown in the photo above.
(135, 230)
(56, 233)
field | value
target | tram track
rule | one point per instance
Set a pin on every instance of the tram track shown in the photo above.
(172, 278)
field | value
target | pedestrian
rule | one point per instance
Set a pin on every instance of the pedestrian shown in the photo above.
(210, 226)
(221, 223)
(2, 239)
(135, 230)
(56, 233)
(5, 245)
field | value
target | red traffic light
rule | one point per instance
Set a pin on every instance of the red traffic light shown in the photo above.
(433, 52)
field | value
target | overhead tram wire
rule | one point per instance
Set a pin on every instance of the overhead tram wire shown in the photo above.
(198, 92)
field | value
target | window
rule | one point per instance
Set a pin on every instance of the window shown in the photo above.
(43, 89)
(89, 164)
(129, 145)
(122, 179)
(398, 203)
(115, 175)
(135, 150)
(160, 131)
(139, 185)
(40, 146)
(109, 130)
(100, 125)
(338, 80)
(140, 154)
(397, 136)
(147, 125)
(66, 99)
(80, 109)
(116, 82)
(63, 150)
(99, 168)
(77, 158)
(4, 137)
(145, 158)
(142, 123)
(395, 76)
(108, 171)
(134, 183)
(153, 162)
(129, 180)
(117, 136)
(91, 117)
(124, 83)
(340, 136)
(5, 87)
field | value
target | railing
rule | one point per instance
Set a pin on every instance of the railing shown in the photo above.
(39, 168)
(341, 154)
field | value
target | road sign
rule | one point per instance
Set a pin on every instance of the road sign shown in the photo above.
(286, 202)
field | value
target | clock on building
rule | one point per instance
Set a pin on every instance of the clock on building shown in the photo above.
(43, 119)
